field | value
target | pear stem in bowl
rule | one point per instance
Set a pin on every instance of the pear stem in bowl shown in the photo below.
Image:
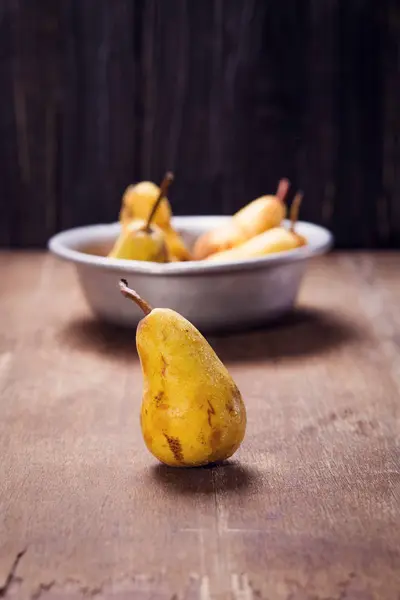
(294, 210)
(134, 296)
(283, 188)
(166, 182)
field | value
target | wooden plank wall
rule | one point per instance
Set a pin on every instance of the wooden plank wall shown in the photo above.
(231, 94)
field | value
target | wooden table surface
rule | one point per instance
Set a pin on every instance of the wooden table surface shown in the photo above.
(308, 509)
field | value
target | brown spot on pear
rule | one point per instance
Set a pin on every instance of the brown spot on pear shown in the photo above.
(175, 446)
(210, 412)
(158, 398)
(164, 365)
(215, 439)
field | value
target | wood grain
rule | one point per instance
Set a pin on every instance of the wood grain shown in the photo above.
(308, 509)
(231, 95)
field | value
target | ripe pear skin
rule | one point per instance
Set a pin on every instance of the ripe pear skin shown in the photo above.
(261, 214)
(274, 240)
(192, 411)
(137, 243)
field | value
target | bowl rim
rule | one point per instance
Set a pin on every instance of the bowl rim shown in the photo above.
(60, 245)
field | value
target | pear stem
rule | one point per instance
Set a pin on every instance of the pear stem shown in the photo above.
(166, 182)
(294, 210)
(132, 295)
(283, 188)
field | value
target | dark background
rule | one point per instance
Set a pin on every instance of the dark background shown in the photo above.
(230, 94)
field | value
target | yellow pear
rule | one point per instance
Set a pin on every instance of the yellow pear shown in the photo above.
(192, 411)
(137, 203)
(273, 240)
(256, 217)
(136, 242)
(140, 239)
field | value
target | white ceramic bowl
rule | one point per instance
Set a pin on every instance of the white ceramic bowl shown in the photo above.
(211, 295)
